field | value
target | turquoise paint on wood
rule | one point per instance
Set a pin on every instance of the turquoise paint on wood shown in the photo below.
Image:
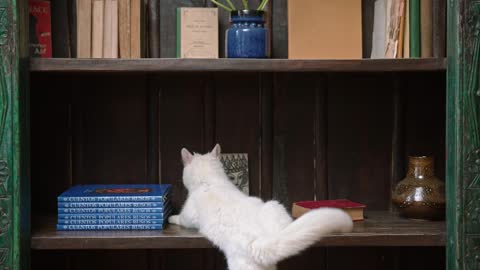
(463, 135)
(14, 224)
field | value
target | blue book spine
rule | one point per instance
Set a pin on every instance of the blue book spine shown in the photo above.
(110, 205)
(113, 199)
(108, 210)
(110, 221)
(110, 216)
(63, 227)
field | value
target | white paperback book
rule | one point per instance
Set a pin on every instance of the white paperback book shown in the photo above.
(379, 29)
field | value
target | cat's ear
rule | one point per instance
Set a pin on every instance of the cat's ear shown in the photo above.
(186, 156)
(217, 151)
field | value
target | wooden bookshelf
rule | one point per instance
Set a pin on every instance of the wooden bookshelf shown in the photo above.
(234, 65)
(379, 229)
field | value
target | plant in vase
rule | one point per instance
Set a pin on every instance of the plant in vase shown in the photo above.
(246, 37)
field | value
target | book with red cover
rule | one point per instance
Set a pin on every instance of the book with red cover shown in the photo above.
(354, 209)
(40, 28)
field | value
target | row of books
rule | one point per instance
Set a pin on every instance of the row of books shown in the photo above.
(87, 28)
(114, 207)
(317, 29)
(408, 28)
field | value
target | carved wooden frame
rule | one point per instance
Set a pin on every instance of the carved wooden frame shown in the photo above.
(463, 135)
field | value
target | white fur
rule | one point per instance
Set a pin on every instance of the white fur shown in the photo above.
(254, 235)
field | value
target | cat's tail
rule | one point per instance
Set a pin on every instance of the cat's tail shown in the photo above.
(299, 235)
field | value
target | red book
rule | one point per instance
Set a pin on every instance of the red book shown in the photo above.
(40, 28)
(354, 209)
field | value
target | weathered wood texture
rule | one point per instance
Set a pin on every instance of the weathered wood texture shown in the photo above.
(376, 230)
(324, 136)
(14, 195)
(240, 65)
(463, 138)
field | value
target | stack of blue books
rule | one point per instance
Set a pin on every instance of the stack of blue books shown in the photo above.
(114, 207)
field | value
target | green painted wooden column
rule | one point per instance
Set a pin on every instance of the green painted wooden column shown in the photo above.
(14, 186)
(463, 135)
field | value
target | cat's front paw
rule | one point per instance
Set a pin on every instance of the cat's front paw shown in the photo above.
(174, 219)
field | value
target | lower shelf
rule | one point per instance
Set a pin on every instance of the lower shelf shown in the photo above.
(378, 229)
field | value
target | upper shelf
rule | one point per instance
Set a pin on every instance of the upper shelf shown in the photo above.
(238, 65)
(378, 229)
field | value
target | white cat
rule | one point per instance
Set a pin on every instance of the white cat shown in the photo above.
(254, 235)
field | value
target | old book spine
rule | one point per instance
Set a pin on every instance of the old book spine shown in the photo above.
(379, 29)
(393, 30)
(40, 29)
(60, 29)
(401, 34)
(439, 30)
(124, 28)
(406, 36)
(110, 28)
(72, 25)
(97, 28)
(414, 28)
(136, 29)
(154, 28)
(84, 28)
(426, 21)
(179, 33)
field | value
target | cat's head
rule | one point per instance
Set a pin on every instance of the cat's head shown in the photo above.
(201, 169)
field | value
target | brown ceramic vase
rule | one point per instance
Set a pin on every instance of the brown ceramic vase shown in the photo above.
(420, 195)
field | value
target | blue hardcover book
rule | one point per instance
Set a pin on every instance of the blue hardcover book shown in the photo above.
(63, 227)
(116, 193)
(109, 210)
(110, 205)
(110, 216)
(109, 221)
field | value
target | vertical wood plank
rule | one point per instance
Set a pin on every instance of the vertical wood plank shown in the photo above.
(50, 141)
(113, 129)
(296, 98)
(455, 148)
(153, 135)
(14, 160)
(237, 119)
(184, 112)
(425, 130)
(320, 139)
(266, 126)
(212, 257)
(359, 154)
(181, 125)
(359, 139)
(398, 168)
(209, 115)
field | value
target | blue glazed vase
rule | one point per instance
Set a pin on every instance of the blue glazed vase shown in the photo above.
(246, 37)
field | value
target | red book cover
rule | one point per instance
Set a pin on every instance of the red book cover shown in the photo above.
(340, 203)
(354, 209)
(40, 28)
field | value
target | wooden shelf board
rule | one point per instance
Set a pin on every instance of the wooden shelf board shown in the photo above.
(379, 229)
(231, 65)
